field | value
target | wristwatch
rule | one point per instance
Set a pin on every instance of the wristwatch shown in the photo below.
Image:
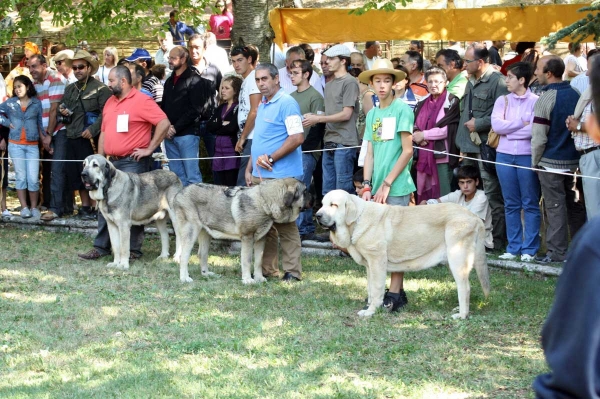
(271, 160)
(579, 127)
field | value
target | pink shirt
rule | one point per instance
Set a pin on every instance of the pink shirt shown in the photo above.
(515, 136)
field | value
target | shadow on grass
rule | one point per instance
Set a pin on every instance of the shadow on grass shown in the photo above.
(71, 329)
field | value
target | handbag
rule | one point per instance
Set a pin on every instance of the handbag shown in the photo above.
(90, 117)
(493, 137)
(488, 153)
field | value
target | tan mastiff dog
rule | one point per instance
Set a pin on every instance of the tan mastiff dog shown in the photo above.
(404, 239)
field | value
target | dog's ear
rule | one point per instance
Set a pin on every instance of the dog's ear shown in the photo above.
(288, 199)
(109, 173)
(351, 209)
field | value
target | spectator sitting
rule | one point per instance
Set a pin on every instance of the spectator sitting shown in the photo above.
(471, 198)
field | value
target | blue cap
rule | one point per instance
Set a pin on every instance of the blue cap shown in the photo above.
(139, 54)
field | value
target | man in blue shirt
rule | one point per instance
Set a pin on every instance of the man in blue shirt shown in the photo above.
(276, 153)
(178, 29)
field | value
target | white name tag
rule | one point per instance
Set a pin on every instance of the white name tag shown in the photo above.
(293, 124)
(123, 123)
(388, 128)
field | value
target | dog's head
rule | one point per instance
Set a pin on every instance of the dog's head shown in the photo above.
(97, 175)
(338, 209)
(288, 198)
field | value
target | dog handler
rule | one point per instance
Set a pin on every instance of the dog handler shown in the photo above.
(388, 132)
(126, 140)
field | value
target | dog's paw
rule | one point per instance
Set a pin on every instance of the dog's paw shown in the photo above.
(209, 274)
(458, 316)
(122, 266)
(112, 265)
(163, 256)
(366, 313)
(176, 259)
(248, 280)
(187, 279)
(260, 279)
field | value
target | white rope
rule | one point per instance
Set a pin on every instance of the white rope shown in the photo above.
(159, 158)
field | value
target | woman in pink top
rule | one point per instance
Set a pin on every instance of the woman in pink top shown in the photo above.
(512, 119)
(436, 122)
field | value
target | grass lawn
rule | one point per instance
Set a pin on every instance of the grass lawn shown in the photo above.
(74, 329)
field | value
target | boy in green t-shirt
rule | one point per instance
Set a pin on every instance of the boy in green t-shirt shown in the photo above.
(388, 132)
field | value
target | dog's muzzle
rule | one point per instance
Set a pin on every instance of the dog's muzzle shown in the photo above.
(88, 184)
(319, 217)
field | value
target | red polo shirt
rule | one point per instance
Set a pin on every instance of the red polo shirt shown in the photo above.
(143, 113)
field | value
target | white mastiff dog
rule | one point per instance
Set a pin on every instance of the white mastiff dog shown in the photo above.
(403, 239)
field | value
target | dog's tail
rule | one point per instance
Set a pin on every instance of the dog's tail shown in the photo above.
(481, 267)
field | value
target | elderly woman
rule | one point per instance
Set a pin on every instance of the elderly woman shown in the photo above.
(512, 119)
(436, 122)
(111, 56)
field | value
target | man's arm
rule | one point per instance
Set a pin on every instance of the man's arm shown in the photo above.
(344, 115)
(249, 126)
(101, 144)
(159, 135)
(541, 125)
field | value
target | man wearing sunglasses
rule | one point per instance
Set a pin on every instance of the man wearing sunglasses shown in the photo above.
(84, 100)
(485, 85)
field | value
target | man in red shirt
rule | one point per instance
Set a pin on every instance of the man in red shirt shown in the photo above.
(126, 140)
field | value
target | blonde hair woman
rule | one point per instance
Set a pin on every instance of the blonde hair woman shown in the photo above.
(111, 55)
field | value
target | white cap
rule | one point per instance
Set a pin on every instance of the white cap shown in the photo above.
(338, 50)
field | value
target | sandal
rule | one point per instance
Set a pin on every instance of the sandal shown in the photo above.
(49, 216)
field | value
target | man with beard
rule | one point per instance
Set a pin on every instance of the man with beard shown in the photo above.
(126, 140)
(186, 100)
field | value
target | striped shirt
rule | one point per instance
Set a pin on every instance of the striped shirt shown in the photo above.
(50, 91)
(582, 140)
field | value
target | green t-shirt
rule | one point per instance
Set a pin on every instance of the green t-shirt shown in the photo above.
(387, 152)
(458, 85)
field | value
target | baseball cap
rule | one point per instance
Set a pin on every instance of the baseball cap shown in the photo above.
(338, 50)
(139, 54)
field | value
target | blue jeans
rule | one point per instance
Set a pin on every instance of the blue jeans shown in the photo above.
(102, 240)
(338, 169)
(521, 190)
(26, 159)
(305, 220)
(184, 147)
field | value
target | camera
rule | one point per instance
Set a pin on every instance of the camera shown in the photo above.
(60, 118)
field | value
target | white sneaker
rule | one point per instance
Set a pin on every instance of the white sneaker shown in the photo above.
(6, 213)
(527, 258)
(507, 256)
(25, 213)
(35, 213)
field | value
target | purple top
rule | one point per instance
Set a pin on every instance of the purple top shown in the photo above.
(515, 136)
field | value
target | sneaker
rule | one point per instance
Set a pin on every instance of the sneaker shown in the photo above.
(86, 213)
(6, 213)
(35, 213)
(289, 277)
(527, 258)
(393, 302)
(25, 213)
(507, 256)
(546, 259)
(49, 216)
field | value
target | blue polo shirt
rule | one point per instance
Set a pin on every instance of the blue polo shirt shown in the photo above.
(275, 121)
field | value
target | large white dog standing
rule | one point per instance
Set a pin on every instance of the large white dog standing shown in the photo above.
(402, 239)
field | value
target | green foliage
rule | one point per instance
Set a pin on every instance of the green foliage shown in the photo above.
(99, 19)
(578, 31)
(389, 5)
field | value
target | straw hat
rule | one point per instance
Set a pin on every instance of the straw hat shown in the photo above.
(84, 55)
(381, 66)
(63, 55)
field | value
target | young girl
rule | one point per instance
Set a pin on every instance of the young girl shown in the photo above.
(224, 125)
(22, 113)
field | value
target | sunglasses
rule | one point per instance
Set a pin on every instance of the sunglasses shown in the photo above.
(78, 67)
(59, 62)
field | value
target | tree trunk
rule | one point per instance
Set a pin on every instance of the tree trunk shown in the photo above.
(251, 25)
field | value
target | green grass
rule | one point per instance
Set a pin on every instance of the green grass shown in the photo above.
(74, 329)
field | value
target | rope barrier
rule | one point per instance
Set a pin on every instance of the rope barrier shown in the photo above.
(346, 148)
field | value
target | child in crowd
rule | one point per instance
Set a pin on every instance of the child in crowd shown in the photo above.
(471, 198)
(22, 113)
(3, 169)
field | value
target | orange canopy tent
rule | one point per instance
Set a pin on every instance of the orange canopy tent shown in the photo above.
(528, 23)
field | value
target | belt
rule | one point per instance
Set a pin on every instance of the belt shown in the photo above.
(117, 158)
(588, 150)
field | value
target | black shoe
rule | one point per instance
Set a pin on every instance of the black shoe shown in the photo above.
(546, 259)
(289, 277)
(87, 213)
(393, 302)
(92, 255)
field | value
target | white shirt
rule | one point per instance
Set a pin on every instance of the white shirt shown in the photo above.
(580, 82)
(479, 205)
(370, 62)
(218, 56)
(102, 74)
(285, 81)
(580, 65)
(248, 87)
